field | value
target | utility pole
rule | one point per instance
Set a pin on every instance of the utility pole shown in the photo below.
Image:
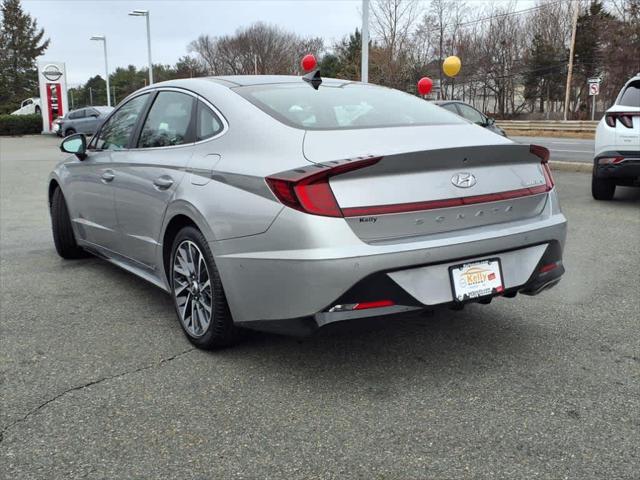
(364, 37)
(574, 24)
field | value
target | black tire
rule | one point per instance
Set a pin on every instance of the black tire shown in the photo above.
(37, 110)
(602, 188)
(69, 131)
(221, 331)
(63, 236)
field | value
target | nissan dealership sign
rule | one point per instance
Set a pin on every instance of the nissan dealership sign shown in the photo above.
(53, 92)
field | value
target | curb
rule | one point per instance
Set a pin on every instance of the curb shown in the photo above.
(571, 166)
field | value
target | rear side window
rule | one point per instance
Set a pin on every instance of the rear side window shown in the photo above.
(170, 121)
(209, 124)
(76, 114)
(630, 97)
(344, 106)
(451, 107)
(471, 114)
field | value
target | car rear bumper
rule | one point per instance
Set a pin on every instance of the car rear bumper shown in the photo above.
(627, 167)
(271, 286)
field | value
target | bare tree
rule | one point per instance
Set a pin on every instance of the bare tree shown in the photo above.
(393, 23)
(259, 48)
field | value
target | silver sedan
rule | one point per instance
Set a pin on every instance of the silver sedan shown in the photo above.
(271, 203)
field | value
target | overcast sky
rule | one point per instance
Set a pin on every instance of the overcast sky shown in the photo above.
(174, 23)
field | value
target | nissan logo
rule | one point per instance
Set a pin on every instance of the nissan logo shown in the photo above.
(463, 180)
(51, 72)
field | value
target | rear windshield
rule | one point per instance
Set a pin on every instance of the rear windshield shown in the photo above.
(344, 107)
(631, 95)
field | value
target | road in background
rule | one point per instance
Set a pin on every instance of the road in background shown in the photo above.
(563, 149)
(98, 380)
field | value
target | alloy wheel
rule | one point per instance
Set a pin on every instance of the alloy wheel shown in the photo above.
(192, 288)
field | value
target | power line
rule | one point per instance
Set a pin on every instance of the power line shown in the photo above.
(492, 17)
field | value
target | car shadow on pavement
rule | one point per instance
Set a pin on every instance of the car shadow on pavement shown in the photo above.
(628, 195)
(442, 344)
(437, 346)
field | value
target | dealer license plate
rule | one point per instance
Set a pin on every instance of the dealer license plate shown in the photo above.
(476, 279)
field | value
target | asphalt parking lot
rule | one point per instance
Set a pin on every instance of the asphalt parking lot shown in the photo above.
(98, 380)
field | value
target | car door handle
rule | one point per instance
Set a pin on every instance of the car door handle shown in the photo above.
(163, 182)
(108, 176)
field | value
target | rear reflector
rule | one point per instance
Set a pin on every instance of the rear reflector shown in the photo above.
(378, 304)
(550, 266)
(348, 307)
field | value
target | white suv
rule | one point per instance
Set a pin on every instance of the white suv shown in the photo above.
(29, 106)
(617, 147)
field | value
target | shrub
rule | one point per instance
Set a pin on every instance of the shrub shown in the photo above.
(20, 124)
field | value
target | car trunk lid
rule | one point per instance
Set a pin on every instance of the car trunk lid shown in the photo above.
(430, 179)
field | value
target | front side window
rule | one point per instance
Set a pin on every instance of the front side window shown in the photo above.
(471, 114)
(169, 121)
(631, 95)
(209, 124)
(116, 132)
(337, 107)
(27, 102)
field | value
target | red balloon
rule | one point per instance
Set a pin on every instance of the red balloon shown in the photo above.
(424, 85)
(308, 62)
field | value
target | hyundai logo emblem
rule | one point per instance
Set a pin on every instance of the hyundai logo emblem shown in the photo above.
(463, 180)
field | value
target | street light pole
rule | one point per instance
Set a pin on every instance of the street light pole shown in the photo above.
(364, 37)
(145, 13)
(103, 39)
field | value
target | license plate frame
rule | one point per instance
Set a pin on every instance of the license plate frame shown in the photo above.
(489, 287)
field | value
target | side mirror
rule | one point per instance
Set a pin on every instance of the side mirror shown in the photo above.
(76, 144)
(491, 121)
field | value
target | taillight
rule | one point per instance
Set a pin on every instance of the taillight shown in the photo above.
(308, 190)
(543, 154)
(625, 118)
(610, 120)
(610, 160)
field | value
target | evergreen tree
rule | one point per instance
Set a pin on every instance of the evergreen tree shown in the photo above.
(21, 42)
(543, 79)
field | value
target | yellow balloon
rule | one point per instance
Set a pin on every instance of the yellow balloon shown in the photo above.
(451, 66)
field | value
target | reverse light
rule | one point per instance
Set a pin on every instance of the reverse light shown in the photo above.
(308, 189)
